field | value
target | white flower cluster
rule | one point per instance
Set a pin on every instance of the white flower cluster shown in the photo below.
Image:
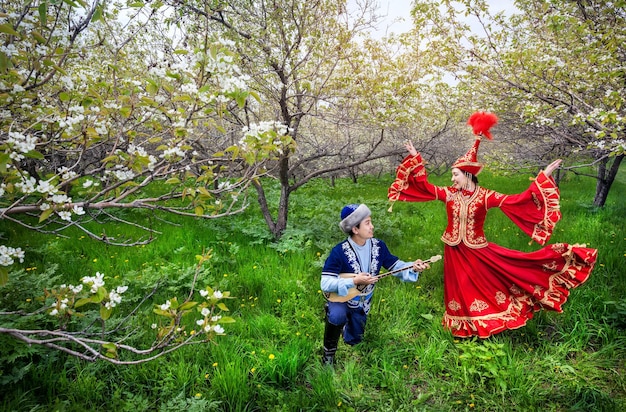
(257, 132)
(141, 152)
(29, 185)
(19, 144)
(209, 323)
(121, 173)
(173, 152)
(9, 254)
(115, 296)
(259, 129)
(93, 282)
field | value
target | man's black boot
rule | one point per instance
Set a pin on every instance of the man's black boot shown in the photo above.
(332, 333)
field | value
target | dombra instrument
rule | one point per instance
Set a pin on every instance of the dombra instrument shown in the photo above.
(357, 290)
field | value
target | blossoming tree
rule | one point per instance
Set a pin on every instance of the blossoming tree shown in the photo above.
(103, 108)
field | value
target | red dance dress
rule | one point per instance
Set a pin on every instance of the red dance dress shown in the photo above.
(489, 288)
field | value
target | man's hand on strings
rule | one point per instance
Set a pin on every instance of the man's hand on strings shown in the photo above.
(364, 279)
(419, 265)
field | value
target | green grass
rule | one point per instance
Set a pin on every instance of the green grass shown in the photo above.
(270, 358)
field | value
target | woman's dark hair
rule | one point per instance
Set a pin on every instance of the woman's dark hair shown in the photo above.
(471, 176)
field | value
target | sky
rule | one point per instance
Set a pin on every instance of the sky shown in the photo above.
(398, 13)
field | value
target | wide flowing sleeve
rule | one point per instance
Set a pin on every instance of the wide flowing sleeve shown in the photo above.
(537, 210)
(411, 184)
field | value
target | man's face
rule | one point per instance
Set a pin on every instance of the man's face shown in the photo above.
(365, 229)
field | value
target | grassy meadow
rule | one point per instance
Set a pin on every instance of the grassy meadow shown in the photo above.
(269, 360)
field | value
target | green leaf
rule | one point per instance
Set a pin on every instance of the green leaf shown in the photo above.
(45, 214)
(40, 39)
(4, 275)
(71, 3)
(223, 307)
(105, 313)
(97, 15)
(8, 29)
(152, 87)
(33, 154)
(126, 111)
(43, 13)
(187, 305)
(4, 160)
(82, 302)
(100, 294)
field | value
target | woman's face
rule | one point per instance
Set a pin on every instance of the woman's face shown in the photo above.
(459, 180)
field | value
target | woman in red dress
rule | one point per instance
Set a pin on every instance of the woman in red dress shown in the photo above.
(489, 288)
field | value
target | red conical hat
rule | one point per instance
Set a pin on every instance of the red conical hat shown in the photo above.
(468, 162)
(481, 122)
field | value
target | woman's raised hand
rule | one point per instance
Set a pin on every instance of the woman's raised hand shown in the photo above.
(552, 167)
(410, 148)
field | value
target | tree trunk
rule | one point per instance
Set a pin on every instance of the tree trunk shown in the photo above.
(277, 226)
(605, 179)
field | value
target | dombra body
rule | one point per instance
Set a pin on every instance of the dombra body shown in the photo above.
(358, 289)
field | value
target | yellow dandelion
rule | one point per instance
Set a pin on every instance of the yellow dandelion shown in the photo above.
(297, 333)
(405, 366)
(339, 403)
(215, 365)
(225, 275)
(28, 300)
(193, 332)
(253, 352)
(206, 376)
(278, 300)
(252, 370)
(198, 395)
(95, 260)
(271, 356)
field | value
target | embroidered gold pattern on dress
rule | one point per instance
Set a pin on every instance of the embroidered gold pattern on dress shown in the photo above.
(550, 267)
(466, 216)
(478, 305)
(500, 297)
(454, 305)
